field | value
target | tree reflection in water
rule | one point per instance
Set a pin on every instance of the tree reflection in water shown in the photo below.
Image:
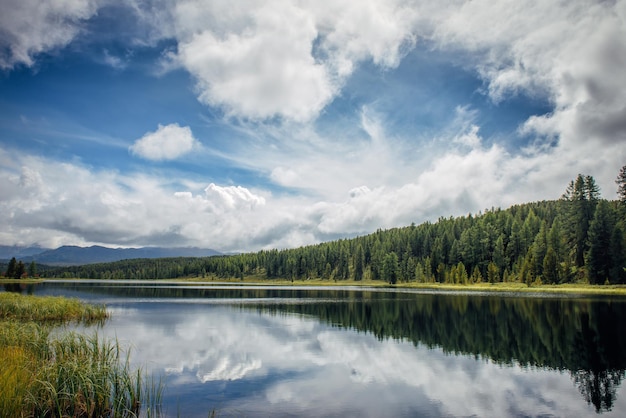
(583, 336)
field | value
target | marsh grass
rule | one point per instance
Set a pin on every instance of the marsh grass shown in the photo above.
(84, 376)
(66, 375)
(507, 287)
(48, 308)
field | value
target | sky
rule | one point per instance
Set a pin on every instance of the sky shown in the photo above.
(247, 125)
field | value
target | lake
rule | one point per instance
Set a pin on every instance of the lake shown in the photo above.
(325, 351)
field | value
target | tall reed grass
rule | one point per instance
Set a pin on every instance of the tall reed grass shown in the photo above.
(66, 375)
(48, 308)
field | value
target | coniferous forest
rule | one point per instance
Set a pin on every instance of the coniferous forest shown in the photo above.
(576, 239)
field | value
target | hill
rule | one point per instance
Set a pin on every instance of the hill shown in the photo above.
(578, 238)
(73, 255)
(530, 243)
(9, 251)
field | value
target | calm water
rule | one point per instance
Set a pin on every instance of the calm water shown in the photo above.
(257, 351)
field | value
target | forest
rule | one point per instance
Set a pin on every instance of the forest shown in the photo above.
(576, 239)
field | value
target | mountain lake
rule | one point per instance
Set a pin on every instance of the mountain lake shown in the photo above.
(260, 351)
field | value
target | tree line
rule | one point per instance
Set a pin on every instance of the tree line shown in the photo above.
(17, 269)
(578, 238)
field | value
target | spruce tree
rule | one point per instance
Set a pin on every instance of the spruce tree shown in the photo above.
(32, 269)
(550, 267)
(11, 268)
(621, 184)
(20, 269)
(390, 267)
(581, 198)
(599, 260)
(618, 256)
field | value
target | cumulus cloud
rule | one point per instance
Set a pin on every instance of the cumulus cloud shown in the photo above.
(31, 27)
(265, 71)
(571, 53)
(110, 208)
(166, 143)
(284, 59)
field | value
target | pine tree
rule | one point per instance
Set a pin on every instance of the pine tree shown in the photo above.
(540, 248)
(550, 267)
(618, 255)
(462, 272)
(11, 268)
(493, 273)
(499, 257)
(581, 198)
(477, 277)
(599, 260)
(390, 267)
(20, 269)
(32, 269)
(359, 263)
(621, 184)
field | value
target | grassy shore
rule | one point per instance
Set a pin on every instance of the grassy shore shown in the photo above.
(569, 288)
(43, 309)
(67, 375)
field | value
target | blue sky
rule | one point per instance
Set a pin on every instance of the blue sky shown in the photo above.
(247, 125)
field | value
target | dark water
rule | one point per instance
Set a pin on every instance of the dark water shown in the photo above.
(258, 351)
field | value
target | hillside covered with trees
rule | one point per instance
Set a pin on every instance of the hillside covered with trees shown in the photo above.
(578, 238)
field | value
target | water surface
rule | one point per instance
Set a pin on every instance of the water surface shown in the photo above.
(293, 351)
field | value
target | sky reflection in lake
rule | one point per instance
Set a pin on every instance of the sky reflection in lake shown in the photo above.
(247, 362)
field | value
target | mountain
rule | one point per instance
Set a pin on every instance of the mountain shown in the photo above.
(73, 255)
(9, 251)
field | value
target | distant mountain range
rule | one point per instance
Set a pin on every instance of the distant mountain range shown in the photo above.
(73, 255)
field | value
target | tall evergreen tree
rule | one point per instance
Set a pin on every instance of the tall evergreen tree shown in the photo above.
(32, 269)
(618, 255)
(11, 268)
(499, 257)
(621, 184)
(390, 267)
(581, 198)
(550, 267)
(599, 259)
(540, 248)
(20, 269)
(359, 263)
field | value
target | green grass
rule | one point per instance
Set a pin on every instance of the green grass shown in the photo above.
(68, 375)
(48, 308)
(569, 288)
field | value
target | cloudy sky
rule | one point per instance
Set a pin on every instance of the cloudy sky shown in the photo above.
(242, 125)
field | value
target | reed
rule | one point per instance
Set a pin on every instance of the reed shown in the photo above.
(69, 374)
(48, 308)
(85, 376)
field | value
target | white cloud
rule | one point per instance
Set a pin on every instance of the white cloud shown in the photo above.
(233, 197)
(570, 53)
(31, 27)
(286, 60)
(113, 61)
(283, 59)
(265, 71)
(166, 143)
(285, 177)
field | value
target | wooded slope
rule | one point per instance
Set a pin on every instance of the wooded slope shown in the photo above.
(579, 238)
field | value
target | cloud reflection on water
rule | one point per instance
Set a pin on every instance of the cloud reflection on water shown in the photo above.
(247, 363)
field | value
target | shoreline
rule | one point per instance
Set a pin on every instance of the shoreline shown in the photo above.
(496, 288)
(567, 288)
